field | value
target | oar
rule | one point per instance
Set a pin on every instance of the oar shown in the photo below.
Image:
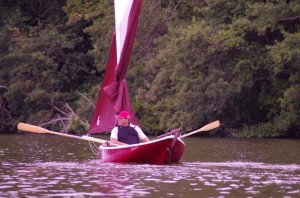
(37, 129)
(207, 127)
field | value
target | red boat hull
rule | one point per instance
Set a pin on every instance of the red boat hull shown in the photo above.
(160, 151)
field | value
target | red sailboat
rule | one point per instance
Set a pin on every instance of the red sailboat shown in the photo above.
(113, 97)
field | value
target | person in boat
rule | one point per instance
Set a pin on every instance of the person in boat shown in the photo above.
(125, 132)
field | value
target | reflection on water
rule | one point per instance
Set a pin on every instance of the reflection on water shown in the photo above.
(211, 168)
(93, 178)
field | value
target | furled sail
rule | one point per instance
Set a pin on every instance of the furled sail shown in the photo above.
(113, 96)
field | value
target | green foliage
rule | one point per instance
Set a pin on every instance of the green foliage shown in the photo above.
(218, 66)
(193, 62)
(78, 125)
(41, 69)
(100, 15)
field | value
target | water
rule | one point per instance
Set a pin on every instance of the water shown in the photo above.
(35, 165)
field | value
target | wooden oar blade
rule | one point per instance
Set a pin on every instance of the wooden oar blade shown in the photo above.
(36, 129)
(31, 128)
(210, 126)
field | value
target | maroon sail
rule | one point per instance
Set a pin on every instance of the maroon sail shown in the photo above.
(113, 96)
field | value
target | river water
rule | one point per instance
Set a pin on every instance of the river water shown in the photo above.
(38, 165)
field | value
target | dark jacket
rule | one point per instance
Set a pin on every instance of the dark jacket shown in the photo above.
(127, 135)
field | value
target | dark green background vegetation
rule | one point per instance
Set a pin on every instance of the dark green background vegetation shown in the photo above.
(193, 62)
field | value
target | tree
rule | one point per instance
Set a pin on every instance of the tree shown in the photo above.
(43, 64)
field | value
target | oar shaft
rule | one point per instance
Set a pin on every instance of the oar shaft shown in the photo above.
(92, 139)
(65, 135)
(207, 127)
(191, 133)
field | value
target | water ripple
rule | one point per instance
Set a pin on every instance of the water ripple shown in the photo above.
(93, 179)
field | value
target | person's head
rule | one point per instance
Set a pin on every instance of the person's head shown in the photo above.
(123, 118)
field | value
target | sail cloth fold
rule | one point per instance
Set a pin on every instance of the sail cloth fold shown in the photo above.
(113, 96)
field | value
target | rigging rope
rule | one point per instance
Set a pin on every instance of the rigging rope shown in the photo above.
(93, 147)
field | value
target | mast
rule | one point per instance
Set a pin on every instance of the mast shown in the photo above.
(113, 95)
